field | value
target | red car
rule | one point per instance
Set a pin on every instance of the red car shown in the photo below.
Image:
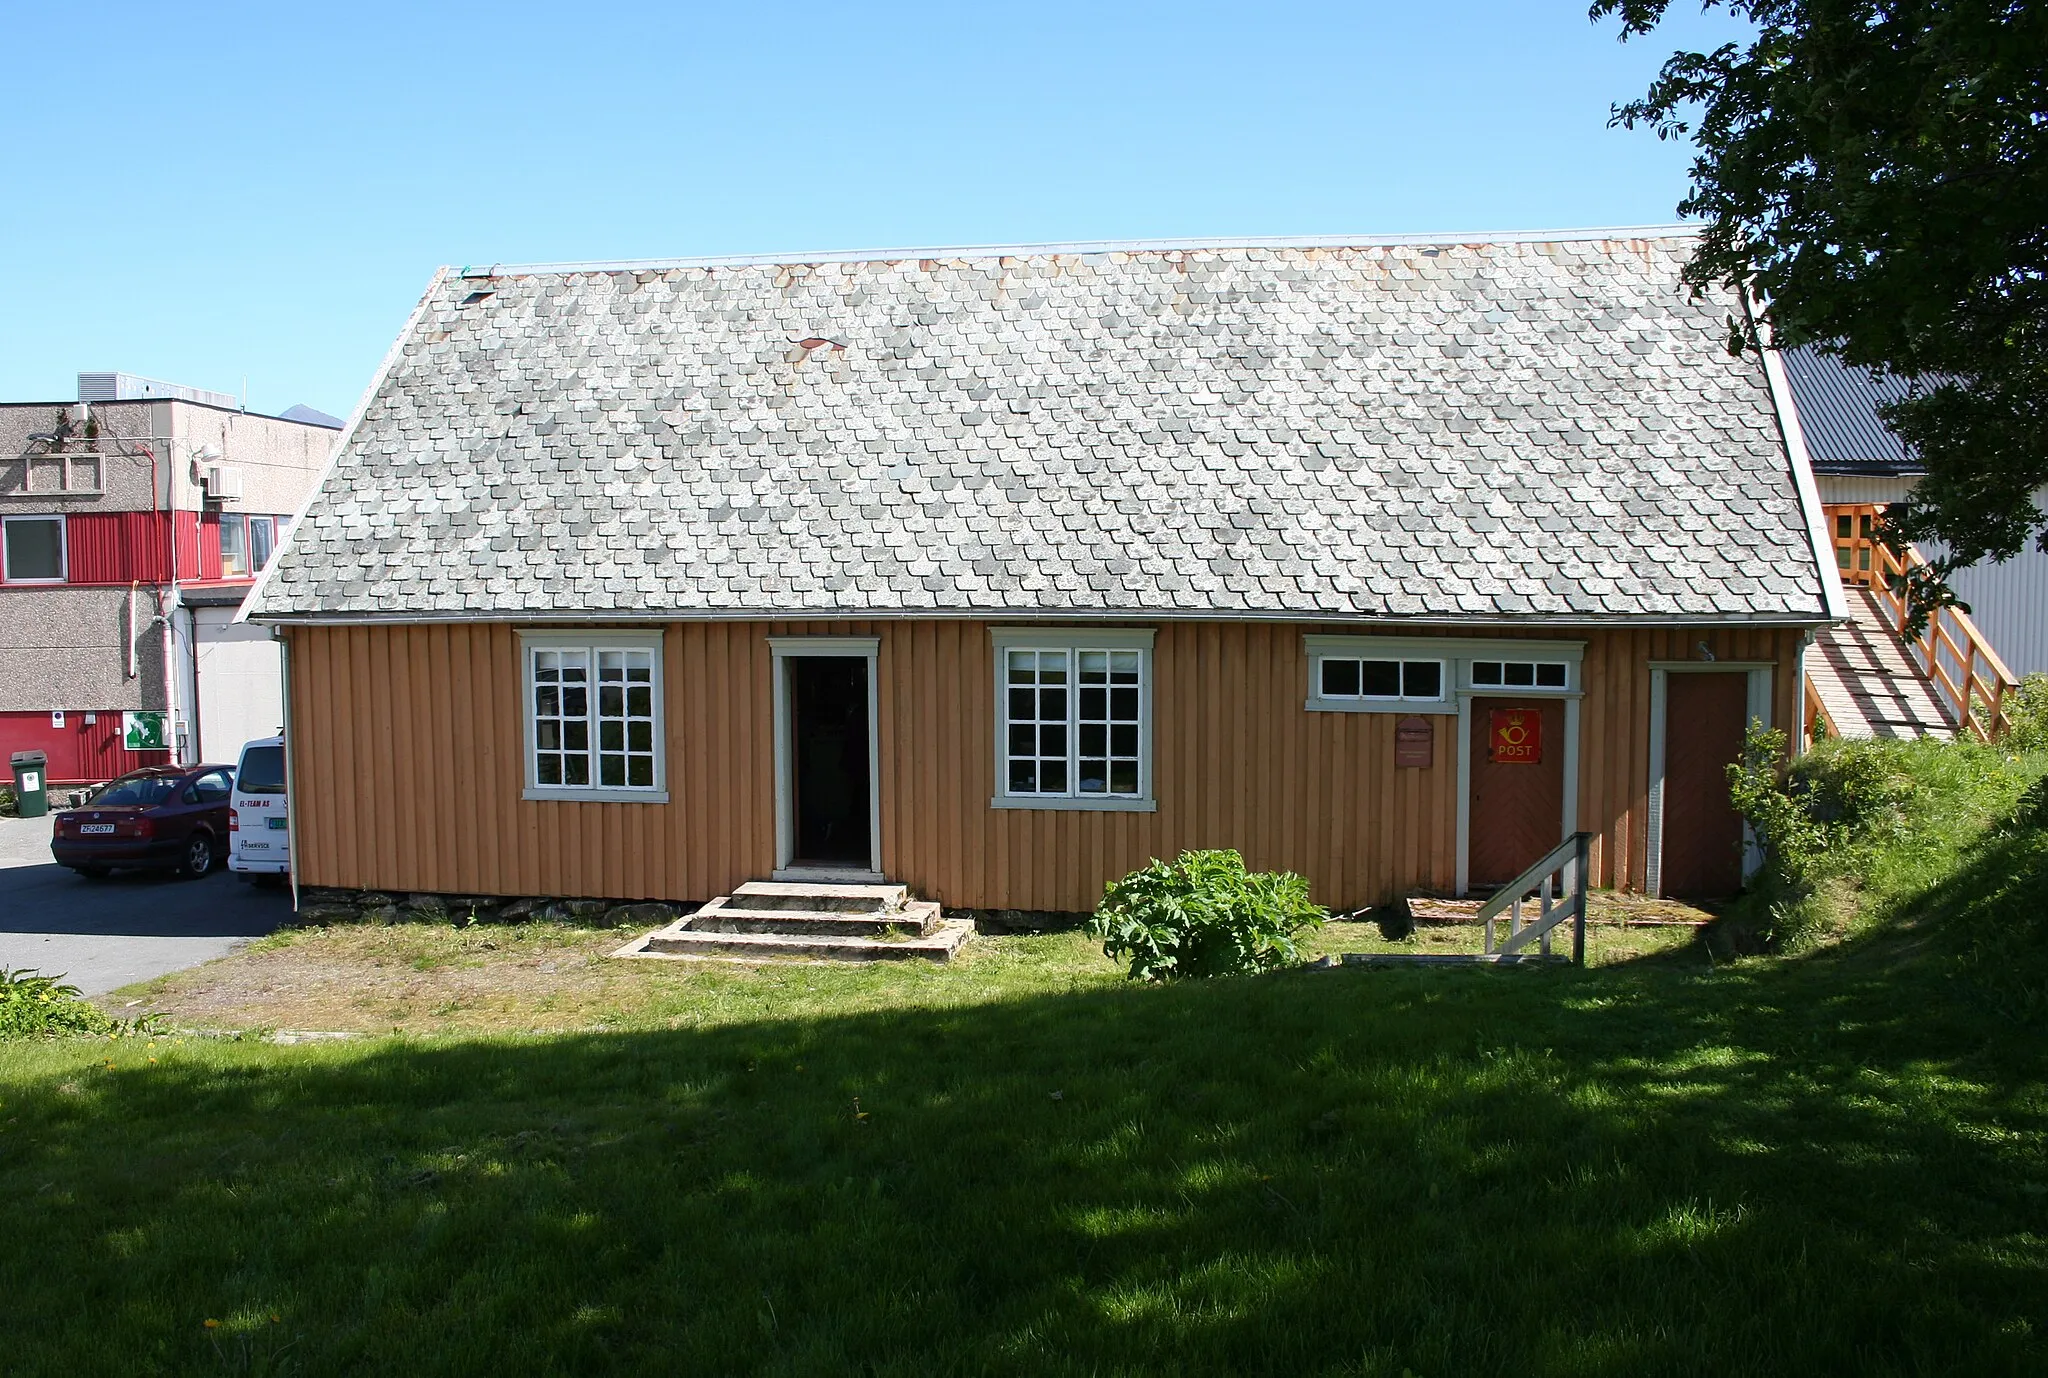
(165, 816)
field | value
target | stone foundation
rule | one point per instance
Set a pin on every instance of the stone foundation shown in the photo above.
(319, 906)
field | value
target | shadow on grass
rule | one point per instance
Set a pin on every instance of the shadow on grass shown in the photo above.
(1788, 1167)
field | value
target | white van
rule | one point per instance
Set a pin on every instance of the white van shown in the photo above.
(259, 843)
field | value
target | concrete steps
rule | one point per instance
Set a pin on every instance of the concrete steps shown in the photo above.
(764, 920)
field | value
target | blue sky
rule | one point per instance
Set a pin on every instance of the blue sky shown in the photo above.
(206, 193)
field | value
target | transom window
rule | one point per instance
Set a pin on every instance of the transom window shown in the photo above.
(1520, 674)
(1381, 673)
(1345, 677)
(1074, 721)
(593, 717)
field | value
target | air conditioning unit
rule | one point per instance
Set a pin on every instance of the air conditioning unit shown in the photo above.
(223, 481)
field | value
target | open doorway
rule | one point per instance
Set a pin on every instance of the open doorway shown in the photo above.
(830, 780)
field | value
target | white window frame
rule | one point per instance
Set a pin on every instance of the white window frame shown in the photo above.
(1400, 700)
(1073, 640)
(593, 642)
(7, 574)
(1457, 653)
(1535, 662)
(240, 523)
(249, 521)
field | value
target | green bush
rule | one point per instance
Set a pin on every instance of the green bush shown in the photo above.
(1854, 831)
(37, 1006)
(2027, 708)
(1205, 915)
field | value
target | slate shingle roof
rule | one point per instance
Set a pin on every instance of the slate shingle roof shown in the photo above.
(1507, 431)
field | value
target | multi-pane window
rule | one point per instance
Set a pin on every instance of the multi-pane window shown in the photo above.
(1106, 723)
(247, 542)
(1345, 677)
(561, 717)
(1520, 674)
(1041, 709)
(593, 716)
(1074, 723)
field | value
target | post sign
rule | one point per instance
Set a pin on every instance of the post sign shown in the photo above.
(1514, 736)
(143, 732)
(1414, 743)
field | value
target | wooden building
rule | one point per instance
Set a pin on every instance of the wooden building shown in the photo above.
(998, 572)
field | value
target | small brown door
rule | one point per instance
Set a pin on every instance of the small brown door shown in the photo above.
(1517, 751)
(1704, 714)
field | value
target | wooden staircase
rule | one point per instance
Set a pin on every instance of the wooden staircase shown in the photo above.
(1868, 678)
(813, 921)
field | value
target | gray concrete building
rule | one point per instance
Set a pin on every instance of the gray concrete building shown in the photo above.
(133, 520)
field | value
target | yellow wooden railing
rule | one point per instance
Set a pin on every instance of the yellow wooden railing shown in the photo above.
(1950, 652)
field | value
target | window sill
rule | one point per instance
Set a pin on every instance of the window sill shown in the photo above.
(1074, 803)
(596, 796)
(1402, 707)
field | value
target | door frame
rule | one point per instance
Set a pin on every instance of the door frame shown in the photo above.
(1758, 708)
(783, 649)
(1569, 811)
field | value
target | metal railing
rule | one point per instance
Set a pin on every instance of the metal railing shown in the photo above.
(1565, 864)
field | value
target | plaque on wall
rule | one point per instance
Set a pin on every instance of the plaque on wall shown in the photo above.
(1414, 743)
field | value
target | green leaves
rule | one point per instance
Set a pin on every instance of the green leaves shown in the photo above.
(37, 1006)
(1205, 915)
(1873, 174)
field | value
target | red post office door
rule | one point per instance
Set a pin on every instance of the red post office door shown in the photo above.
(1517, 787)
(1704, 715)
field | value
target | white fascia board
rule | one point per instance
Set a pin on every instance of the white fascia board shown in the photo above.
(1832, 596)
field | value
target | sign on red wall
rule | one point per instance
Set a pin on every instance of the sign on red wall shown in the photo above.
(1515, 736)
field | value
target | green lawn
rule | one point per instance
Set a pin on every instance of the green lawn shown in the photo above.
(1825, 1164)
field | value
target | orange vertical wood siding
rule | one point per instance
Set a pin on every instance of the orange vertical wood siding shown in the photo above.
(408, 772)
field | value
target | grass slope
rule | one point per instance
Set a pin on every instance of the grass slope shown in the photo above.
(1827, 1164)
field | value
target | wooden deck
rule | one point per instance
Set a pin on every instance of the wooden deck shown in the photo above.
(1868, 683)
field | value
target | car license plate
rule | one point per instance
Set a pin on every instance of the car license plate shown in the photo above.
(276, 823)
(95, 827)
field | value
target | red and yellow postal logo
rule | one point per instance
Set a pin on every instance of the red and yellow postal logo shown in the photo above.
(1517, 736)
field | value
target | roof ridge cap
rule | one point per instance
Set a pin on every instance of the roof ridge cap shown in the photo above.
(1096, 246)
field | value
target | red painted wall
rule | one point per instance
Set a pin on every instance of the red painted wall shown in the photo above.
(77, 752)
(117, 547)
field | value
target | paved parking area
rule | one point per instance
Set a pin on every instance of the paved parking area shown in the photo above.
(105, 934)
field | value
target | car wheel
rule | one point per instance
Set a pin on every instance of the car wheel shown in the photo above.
(198, 856)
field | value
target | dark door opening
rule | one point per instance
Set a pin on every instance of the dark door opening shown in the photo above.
(1704, 714)
(828, 731)
(1517, 815)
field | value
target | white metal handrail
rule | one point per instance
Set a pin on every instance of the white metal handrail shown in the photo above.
(1566, 863)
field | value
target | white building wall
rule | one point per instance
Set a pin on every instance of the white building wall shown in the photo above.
(2009, 604)
(241, 683)
(1844, 489)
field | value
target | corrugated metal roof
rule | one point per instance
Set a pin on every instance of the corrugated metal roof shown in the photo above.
(1837, 405)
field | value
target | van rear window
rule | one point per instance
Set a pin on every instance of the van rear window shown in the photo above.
(262, 771)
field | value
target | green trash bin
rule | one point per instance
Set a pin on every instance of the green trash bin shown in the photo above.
(31, 783)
